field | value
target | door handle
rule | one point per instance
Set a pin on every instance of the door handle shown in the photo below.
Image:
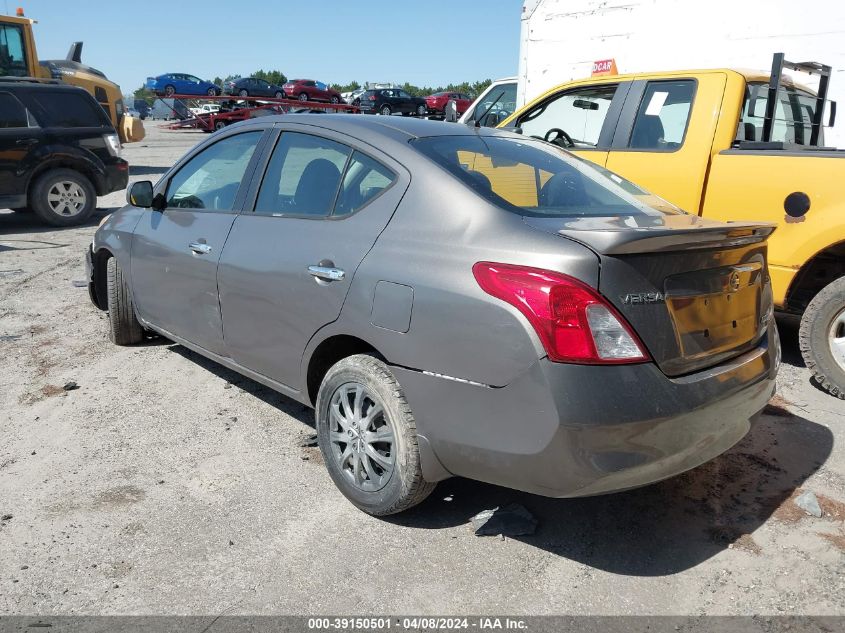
(199, 248)
(26, 141)
(326, 273)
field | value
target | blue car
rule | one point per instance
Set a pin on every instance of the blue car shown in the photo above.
(181, 84)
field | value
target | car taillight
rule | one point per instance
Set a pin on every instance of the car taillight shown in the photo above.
(574, 322)
(371, 98)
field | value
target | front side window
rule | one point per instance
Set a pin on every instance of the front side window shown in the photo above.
(12, 112)
(573, 119)
(532, 178)
(663, 115)
(12, 55)
(303, 176)
(793, 121)
(210, 180)
(69, 109)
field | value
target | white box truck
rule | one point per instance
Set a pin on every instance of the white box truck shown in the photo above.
(562, 39)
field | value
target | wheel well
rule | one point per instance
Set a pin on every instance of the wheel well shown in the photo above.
(82, 168)
(329, 352)
(100, 261)
(823, 268)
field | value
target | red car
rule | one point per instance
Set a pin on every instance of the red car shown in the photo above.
(310, 90)
(436, 103)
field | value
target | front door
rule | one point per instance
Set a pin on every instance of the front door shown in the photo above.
(288, 263)
(175, 251)
(662, 142)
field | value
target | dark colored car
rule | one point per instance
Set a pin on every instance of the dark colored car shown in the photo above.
(253, 87)
(543, 325)
(436, 103)
(181, 84)
(58, 152)
(391, 101)
(310, 90)
(143, 108)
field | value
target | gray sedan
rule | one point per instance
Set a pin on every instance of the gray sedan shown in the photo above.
(451, 301)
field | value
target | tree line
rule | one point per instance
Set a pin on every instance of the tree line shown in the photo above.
(472, 89)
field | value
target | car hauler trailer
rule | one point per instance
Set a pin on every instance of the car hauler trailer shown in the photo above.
(561, 40)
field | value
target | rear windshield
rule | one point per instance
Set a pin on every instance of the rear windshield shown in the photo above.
(535, 178)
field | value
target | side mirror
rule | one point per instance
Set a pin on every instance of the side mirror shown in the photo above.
(140, 194)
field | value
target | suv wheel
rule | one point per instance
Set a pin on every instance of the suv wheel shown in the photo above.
(385, 110)
(368, 437)
(63, 197)
(124, 328)
(421, 110)
(822, 338)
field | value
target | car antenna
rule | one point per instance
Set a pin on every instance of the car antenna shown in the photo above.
(487, 111)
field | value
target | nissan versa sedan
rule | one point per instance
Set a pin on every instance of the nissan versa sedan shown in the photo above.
(451, 301)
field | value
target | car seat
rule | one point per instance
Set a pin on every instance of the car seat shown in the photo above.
(648, 133)
(317, 187)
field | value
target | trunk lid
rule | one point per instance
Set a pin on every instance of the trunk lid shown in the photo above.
(695, 291)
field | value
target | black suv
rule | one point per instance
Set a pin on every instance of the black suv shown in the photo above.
(58, 152)
(390, 101)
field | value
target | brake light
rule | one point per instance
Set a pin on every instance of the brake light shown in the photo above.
(371, 98)
(574, 322)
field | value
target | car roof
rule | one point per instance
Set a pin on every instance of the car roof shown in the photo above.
(394, 127)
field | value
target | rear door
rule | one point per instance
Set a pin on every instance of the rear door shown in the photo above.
(581, 119)
(665, 135)
(289, 260)
(19, 136)
(175, 251)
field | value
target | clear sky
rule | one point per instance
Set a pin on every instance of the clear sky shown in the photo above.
(433, 42)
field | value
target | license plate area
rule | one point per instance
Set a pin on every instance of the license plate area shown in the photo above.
(715, 310)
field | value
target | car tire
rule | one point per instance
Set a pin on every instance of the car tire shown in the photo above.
(334, 100)
(169, 91)
(211, 92)
(391, 482)
(243, 93)
(821, 338)
(279, 94)
(124, 328)
(219, 125)
(303, 96)
(385, 110)
(421, 110)
(63, 197)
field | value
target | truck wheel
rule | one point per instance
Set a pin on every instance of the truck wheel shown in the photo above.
(368, 437)
(822, 338)
(124, 328)
(63, 197)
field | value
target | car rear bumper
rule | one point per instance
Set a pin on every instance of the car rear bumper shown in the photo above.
(563, 430)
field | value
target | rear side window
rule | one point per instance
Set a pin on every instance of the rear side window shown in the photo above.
(12, 56)
(364, 179)
(12, 112)
(663, 115)
(68, 109)
(303, 177)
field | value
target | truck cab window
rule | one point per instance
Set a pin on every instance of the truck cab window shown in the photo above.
(12, 56)
(573, 119)
(794, 113)
(663, 115)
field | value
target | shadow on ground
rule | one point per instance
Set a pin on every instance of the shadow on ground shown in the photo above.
(658, 530)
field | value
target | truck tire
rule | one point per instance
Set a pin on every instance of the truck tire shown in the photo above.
(368, 437)
(822, 338)
(124, 328)
(63, 197)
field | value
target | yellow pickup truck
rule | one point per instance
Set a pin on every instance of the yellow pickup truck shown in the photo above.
(729, 145)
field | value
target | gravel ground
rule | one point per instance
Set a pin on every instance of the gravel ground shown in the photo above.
(167, 484)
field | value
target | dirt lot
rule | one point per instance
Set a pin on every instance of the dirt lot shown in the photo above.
(166, 484)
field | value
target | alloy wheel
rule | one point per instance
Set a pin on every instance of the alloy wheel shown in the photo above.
(361, 437)
(66, 198)
(836, 338)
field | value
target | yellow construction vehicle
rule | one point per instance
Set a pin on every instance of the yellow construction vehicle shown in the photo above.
(19, 59)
